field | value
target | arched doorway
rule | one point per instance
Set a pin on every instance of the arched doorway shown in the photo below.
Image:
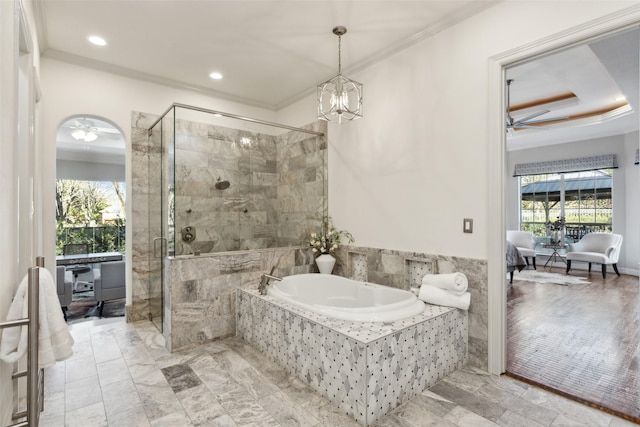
(90, 216)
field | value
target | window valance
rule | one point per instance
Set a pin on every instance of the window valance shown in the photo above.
(607, 161)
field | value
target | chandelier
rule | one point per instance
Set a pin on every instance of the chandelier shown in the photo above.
(339, 98)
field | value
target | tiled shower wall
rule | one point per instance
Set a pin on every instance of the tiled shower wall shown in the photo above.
(276, 195)
(276, 192)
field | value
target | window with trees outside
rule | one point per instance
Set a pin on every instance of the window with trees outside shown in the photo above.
(90, 212)
(585, 198)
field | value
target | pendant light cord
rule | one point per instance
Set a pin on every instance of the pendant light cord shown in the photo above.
(339, 54)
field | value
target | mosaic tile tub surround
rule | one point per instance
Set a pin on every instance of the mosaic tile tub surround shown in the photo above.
(365, 368)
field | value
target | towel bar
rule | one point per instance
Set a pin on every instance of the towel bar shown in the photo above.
(34, 375)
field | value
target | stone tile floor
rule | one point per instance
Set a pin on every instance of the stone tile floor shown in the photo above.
(122, 375)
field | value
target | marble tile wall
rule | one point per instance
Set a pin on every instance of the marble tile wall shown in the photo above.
(239, 217)
(396, 269)
(366, 369)
(277, 186)
(200, 297)
(301, 183)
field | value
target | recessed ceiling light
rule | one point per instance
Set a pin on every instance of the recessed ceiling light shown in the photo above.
(215, 75)
(620, 98)
(97, 40)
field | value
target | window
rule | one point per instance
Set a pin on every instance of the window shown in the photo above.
(92, 213)
(583, 198)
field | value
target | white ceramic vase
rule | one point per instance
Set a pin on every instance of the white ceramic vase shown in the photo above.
(325, 263)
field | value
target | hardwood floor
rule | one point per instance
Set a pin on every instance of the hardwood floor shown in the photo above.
(580, 340)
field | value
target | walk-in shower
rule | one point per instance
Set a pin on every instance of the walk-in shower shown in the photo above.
(235, 183)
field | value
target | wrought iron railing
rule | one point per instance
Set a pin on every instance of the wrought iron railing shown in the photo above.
(573, 231)
(110, 238)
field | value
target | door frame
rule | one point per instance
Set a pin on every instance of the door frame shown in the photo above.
(498, 174)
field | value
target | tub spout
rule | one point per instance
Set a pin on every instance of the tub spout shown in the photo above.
(264, 281)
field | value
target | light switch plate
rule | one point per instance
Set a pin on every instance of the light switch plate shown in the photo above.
(467, 225)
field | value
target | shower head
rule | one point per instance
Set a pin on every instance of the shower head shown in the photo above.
(222, 185)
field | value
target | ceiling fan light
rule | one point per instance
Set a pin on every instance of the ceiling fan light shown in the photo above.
(79, 134)
(90, 136)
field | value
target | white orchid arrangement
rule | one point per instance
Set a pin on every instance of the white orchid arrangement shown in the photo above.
(329, 239)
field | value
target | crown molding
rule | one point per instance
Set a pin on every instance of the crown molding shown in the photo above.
(472, 10)
(150, 78)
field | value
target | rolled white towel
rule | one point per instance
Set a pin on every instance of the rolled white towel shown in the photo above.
(456, 283)
(434, 295)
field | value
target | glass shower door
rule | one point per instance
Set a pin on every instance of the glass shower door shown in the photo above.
(160, 198)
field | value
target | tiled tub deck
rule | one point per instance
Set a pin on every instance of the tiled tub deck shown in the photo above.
(365, 368)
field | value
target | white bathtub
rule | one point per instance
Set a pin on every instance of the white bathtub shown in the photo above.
(346, 299)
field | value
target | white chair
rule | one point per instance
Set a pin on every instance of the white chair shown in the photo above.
(601, 248)
(525, 243)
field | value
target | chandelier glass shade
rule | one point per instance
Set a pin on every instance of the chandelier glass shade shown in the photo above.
(339, 98)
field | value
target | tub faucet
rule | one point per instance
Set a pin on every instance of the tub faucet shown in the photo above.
(264, 281)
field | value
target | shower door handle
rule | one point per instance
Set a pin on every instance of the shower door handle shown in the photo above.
(163, 247)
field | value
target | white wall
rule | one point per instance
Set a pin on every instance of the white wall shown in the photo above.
(406, 174)
(89, 171)
(631, 258)
(625, 186)
(19, 164)
(7, 197)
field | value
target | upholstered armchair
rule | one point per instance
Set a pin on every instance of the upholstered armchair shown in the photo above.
(601, 248)
(526, 244)
(109, 282)
(64, 286)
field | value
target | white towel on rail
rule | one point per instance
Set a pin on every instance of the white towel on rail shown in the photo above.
(434, 295)
(456, 283)
(54, 340)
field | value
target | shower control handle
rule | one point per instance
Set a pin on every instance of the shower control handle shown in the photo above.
(188, 234)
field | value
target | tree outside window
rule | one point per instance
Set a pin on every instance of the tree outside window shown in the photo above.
(90, 212)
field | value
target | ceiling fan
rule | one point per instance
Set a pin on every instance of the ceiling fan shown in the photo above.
(526, 122)
(85, 130)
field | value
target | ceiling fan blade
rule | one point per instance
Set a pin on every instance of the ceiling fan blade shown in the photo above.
(551, 120)
(525, 126)
(108, 135)
(531, 116)
(105, 130)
